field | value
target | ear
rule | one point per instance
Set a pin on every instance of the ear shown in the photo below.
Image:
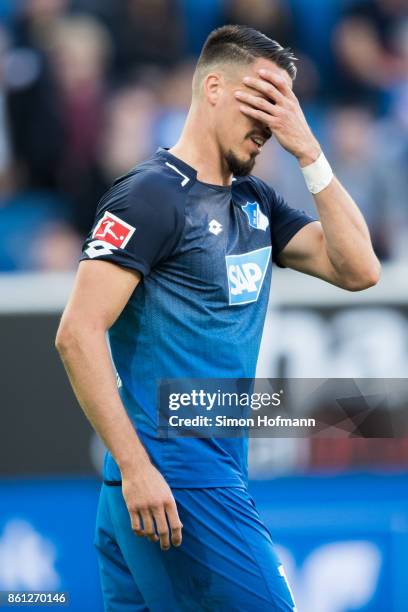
(212, 87)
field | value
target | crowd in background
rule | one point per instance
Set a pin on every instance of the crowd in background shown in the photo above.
(88, 88)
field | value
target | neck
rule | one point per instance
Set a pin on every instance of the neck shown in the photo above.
(197, 147)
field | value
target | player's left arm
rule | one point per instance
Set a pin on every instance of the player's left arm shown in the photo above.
(337, 248)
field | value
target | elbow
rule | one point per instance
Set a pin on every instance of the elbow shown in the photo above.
(66, 338)
(76, 333)
(365, 279)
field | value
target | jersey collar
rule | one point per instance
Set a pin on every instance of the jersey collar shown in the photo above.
(177, 163)
(189, 171)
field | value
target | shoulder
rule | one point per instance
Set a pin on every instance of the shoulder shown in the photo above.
(151, 186)
(145, 203)
(150, 178)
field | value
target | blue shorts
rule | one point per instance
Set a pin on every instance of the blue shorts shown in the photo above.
(226, 562)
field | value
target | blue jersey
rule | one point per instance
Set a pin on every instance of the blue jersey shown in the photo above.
(205, 254)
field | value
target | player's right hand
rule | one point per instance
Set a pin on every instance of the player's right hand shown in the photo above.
(151, 505)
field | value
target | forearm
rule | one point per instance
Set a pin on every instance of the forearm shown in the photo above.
(338, 249)
(101, 292)
(86, 358)
(347, 239)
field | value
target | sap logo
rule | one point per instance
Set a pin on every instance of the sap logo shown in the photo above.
(255, 216)
(245, 274)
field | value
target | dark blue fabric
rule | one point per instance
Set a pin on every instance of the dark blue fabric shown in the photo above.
(205, 253)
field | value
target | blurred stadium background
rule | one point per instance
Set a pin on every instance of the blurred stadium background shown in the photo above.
(87, 89)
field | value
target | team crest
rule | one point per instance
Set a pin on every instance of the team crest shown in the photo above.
(255, 216)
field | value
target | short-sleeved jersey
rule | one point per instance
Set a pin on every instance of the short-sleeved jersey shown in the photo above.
(205, 255)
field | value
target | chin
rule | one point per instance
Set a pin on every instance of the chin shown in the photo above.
(239, 166)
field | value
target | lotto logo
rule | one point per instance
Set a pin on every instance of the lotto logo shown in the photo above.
(246, 273)
(113, 230)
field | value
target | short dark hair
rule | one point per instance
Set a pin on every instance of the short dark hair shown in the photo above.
(242, 44)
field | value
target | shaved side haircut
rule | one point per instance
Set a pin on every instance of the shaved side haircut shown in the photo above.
(236, 44)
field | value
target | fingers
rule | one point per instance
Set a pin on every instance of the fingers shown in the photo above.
(153, 512)
(162, 528)
(136, 522)
(148, 525)
(257, 102)
(261, 116)
(159, 523)
(266, 88)
(279, 82)
(175, 523)
(272, 86)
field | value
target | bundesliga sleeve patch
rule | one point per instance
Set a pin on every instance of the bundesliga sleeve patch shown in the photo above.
(110, 234)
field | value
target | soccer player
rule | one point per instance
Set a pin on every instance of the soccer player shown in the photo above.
(177, 268)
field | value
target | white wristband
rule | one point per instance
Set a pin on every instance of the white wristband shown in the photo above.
(318, 175)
